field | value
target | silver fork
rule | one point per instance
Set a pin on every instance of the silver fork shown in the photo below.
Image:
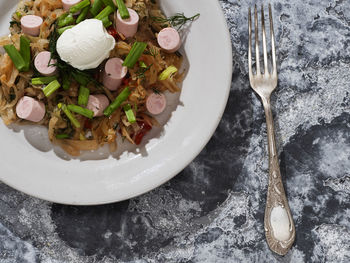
(278, 222)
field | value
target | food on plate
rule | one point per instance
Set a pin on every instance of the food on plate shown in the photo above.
(86, 45)
(31, 24)
(90, 71)
(113, 74)
(44, 64)
(30, 109)
(128, 27)
(97, 103)
(169, 39)
(156, 103)
(67, 4)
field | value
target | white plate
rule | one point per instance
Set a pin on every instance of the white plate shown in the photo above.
(31, 165)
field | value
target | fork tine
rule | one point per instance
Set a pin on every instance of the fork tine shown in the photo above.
(266, 70)
(257, 62)
(250, 43)
(273, 51)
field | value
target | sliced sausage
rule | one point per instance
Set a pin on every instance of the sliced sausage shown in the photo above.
(128, 27)
(31, 24)
(30, 109)
(42, 62)
(156, 103)
(169, 40)
(67, 4)
(114, 73)
(97, 103)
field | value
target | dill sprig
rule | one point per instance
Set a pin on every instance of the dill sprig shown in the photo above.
(152, 51)
(177, 21)
(141, 72)
(14, 22)
(155, 90)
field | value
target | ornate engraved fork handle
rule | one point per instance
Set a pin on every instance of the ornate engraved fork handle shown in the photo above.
(279, 225)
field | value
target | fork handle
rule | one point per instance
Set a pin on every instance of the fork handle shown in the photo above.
(278, 222)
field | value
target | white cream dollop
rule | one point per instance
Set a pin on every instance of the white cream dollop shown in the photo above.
(85, 45)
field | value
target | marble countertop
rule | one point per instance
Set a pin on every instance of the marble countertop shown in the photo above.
(213, 211)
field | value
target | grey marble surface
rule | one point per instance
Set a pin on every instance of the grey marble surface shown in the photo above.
(213, 211)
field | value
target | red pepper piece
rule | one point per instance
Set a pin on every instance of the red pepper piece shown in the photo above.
(111, 30)
(144, 129)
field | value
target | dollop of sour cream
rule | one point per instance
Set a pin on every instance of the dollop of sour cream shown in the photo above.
(85, 45)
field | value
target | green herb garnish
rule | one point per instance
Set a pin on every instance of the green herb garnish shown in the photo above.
(167, 72)
(134, 54)
(106, 22)
(66, 82)
(65, 20)
(83, 97)
(109, 3)
(117, 102)
(140, 74)
(177, 21)
(14, 22)
(62, 136)
(43, 80)
(155, 90)
(129, 113)
(61, 30)
(96, 7)
(80, 110)
(152, 51)
(25, 52)
(76, 8)
(68, 113)
(123, 11)
(83, 14)
(16, 57)
(105, 12)
(51, 88)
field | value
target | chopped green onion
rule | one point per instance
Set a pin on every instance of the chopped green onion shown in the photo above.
(62, 136)
(62, 17)
(82, 137)
(129, 113)
(83, 97)
(81, 78)
(105, 12)
(134, 54)
(167, 72)
(70, 116)
(106, 22)
(66, 82)
(109, 3)
(18, 14)
(25, 52)
(61, 30)
(124, 12)
(142, 64)
(80, 110)
(96, 7)
(51, 88)
(43, 80)
(68, 20)
(76, 8)
(83, 14)
(117, 102)
(15, 56)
